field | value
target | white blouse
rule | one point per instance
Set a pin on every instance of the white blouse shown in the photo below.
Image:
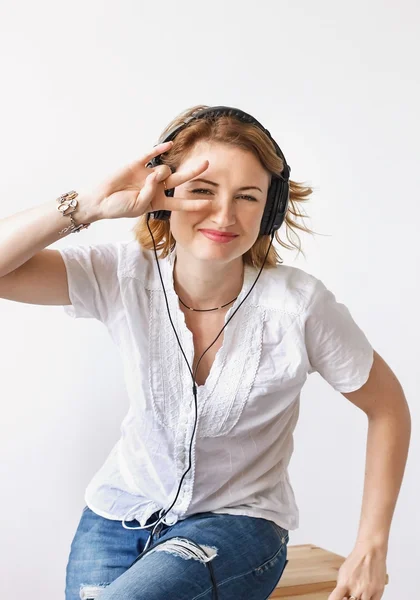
(289, 326)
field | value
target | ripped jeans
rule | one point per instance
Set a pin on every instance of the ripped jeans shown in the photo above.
(247, 557)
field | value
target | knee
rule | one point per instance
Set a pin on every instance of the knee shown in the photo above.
(124, 585)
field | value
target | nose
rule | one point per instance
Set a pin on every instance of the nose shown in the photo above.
(223, 212)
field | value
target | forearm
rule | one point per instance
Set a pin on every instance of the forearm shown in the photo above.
(386, 455)
(27, 232)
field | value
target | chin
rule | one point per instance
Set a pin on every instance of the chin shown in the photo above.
(211, 254)
(214, 252)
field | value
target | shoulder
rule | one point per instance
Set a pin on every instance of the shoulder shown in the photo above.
(136, 262)
(287, 288)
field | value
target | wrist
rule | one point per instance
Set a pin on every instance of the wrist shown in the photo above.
(373, 544)
(88, 208)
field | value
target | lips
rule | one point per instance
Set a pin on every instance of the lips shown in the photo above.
(220, 234)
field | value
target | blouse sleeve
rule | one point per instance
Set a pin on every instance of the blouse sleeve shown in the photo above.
(93, 283)
(336, 346)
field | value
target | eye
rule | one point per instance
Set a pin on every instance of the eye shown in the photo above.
(251, 198)
(199, 191)
(203, 190)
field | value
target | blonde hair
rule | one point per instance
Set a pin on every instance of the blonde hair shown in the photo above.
(228, 130)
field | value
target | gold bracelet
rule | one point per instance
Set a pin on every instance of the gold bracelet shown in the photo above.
(67, 204)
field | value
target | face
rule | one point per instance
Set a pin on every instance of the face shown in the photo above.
(232, 209)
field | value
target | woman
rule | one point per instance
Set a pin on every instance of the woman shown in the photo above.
(199, 474)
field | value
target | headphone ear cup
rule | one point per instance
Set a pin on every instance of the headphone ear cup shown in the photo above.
(276, 206)
(161, 215)
(271, 206)
(283, 205)
(266, 218)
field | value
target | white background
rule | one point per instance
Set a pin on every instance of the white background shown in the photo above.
(88, 86)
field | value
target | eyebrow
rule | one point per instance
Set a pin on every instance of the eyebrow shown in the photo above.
(246, 187)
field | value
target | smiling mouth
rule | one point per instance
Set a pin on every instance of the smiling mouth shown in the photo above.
(219, 233)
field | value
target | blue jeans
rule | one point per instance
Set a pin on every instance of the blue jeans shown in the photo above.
(248, 556)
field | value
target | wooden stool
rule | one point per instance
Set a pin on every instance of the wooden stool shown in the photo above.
(310, 574)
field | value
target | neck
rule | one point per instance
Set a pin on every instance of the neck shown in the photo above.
(203, 285)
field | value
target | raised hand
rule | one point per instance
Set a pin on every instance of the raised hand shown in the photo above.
(136, 189)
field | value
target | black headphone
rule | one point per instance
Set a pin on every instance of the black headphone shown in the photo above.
(278, 192)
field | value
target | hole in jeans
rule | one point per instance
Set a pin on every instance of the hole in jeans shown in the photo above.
(186, 549)
(91, 592)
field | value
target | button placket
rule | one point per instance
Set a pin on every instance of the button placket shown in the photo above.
(182, 445)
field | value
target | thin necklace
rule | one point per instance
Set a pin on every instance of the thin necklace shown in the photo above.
(205, 309)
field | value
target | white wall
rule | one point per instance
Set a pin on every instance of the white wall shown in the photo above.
(87, 86)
